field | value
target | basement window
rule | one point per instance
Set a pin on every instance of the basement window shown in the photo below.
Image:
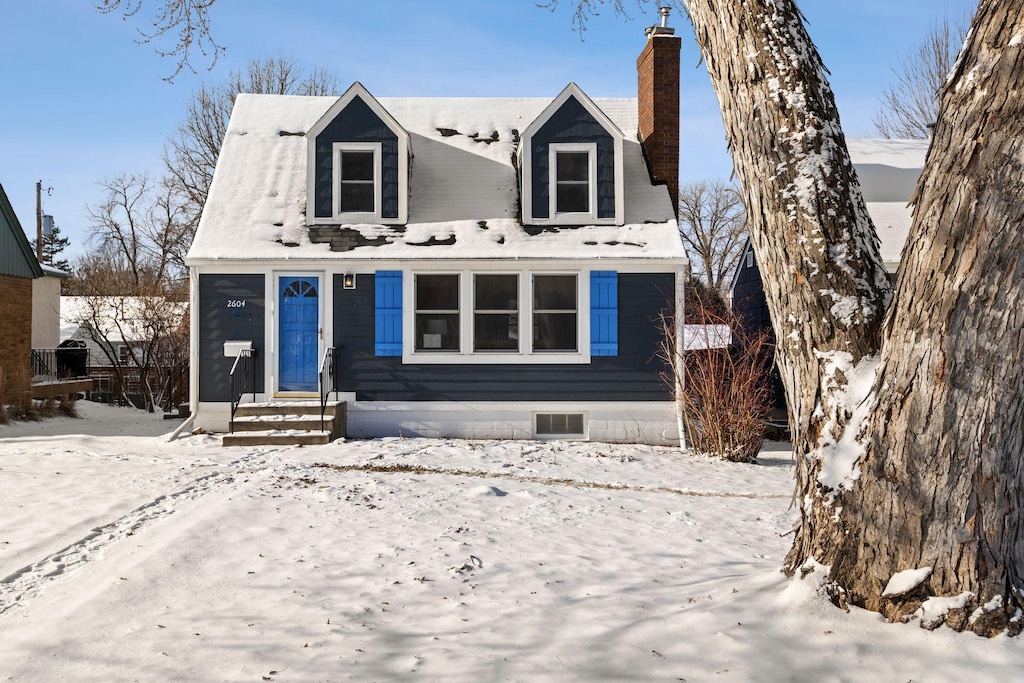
(560, 426)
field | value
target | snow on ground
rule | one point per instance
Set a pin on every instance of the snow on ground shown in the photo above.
(125, 557)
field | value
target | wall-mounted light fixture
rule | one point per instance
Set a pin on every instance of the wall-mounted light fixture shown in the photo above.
(348, 280)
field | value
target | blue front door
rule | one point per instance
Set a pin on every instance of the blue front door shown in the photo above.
(299, 333)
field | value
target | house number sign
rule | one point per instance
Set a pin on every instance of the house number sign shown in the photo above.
(236, 303)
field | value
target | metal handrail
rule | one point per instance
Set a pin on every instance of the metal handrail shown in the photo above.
(44, 363)
(61, 363)
(243, 381)
(328, 379)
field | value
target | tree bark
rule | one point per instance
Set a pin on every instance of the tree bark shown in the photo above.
(922, 474)
(942, 482)
(824, 280)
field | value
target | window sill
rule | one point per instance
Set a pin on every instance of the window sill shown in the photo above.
(495, 358)
(574, 219)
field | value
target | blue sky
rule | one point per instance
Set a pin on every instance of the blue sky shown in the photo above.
(81, 101)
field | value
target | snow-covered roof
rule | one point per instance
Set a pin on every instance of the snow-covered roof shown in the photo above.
(888, 171)
(464, 199)
(119, 318)
(50, 271)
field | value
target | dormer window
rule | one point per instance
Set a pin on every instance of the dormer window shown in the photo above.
(357, 171)
(570, 165)
(358, 164)
(573, 190)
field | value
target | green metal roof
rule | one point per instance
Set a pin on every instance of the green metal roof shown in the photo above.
(16, 256)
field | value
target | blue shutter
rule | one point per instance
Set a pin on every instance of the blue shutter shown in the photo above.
(604, 313)
(388, 313)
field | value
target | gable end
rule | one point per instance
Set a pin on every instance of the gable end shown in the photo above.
(357, 124)
(589, 188)
(16, 257)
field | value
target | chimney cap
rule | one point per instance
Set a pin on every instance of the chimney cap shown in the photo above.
(662, 29)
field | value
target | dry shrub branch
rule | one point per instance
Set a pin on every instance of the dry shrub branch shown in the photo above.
(725, 394)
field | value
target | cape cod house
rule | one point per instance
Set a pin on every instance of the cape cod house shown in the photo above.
(469, 267)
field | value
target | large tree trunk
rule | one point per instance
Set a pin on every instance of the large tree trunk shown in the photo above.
(942, 484)
(921, 476)
(826, 287)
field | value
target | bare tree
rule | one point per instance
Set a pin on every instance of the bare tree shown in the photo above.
(132, 282)
(192, 151)
(145, 224)
(136, 324)
(712, 223)
(909, 468)
(189, 20)
(911, 104)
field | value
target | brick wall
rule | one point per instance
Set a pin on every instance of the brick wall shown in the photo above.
(657, 70)
(15, 322)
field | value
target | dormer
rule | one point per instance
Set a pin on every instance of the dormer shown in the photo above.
(358, 164)
(570, 164)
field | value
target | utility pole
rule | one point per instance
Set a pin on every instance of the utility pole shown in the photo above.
(39, 221)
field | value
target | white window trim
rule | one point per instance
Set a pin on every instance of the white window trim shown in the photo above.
(378, 177)
(518, 311)
(411, 336)
(533, 276)
(525, 354)
(574, 217)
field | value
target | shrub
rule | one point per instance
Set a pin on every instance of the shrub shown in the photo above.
(724, 391)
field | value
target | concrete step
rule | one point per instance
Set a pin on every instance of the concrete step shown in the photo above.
(283, 422)
(276, 437)
(286, 423)
(288, 408)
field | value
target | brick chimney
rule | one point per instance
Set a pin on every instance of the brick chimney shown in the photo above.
(657, 70)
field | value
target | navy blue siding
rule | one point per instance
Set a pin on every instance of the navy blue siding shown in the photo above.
(218, 323)
(356, 123)
(748, 300)
(573, 123)
(630, 376)
(750, 306)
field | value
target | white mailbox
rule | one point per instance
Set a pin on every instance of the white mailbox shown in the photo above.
(233, 348)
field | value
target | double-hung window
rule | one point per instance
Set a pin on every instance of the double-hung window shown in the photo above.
(573, 180)
(495, 312)
(437, 312)
(357, 181)
(555, 313)
(498, 317)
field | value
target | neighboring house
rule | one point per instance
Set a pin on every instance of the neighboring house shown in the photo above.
(124, 335)
(18, 270)
(888, 171)
(488, 268)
